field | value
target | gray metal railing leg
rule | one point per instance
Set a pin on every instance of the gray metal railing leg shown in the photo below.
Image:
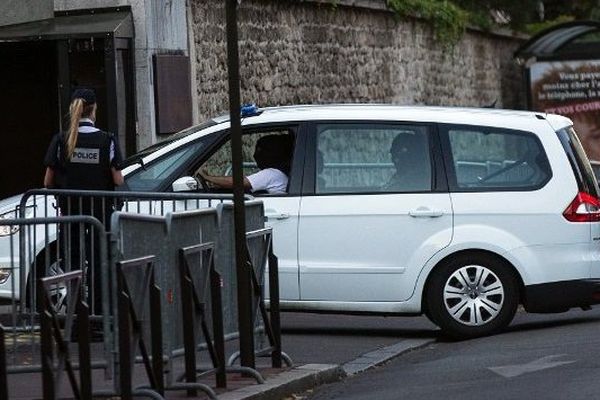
(3, 379)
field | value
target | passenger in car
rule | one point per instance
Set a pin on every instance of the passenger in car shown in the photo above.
(273, 157)
(410, 154)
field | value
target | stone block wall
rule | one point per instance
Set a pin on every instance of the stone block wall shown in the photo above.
(295, 52)
(21, 11)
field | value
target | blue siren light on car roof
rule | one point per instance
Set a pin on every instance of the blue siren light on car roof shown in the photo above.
(249, 110)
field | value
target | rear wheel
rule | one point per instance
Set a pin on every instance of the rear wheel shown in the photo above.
(472, 295)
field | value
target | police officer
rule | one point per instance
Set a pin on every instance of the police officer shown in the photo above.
(87, 158)
(84, 157)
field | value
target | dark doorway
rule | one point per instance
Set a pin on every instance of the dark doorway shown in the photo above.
(105, 66)
(37, 82)
(85, 59)
(29, 103)
(41, 63)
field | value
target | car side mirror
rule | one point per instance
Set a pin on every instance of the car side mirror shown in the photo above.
(185, 184)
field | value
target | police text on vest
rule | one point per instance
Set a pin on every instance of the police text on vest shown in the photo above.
(86, 156)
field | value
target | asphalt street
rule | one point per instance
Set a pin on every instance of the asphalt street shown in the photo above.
(539, 356)
(335, 339)
(553, 356)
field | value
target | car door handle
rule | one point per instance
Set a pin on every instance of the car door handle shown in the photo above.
(423, 212)
(277, 216)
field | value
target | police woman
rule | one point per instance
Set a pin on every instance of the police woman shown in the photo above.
(84, 158)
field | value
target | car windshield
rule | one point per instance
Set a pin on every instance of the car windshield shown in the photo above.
(157, 146)
(152, 177)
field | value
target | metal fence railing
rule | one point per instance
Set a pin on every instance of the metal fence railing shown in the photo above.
(260, 256)
(137, 301)
(164, 238)
(201, 288)
(45, 203)
(193, 277)
(41, 306)
(56, 357)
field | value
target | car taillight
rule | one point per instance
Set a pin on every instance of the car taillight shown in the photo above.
(584, 208)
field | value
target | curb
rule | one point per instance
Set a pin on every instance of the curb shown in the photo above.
(380, 356)
(298, 379)
(304, 377)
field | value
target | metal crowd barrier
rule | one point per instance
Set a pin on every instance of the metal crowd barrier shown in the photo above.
(199, 283)
(259, 245)
(138, 299)
(206, 238)
(41, 326)
(164, 237)
(44, 203)
(260, 253)
(3, 377)
(138, 235)
(225, 257)
(56, 357)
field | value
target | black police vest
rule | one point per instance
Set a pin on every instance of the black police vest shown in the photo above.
(89, 166)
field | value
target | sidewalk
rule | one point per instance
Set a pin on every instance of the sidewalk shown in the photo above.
(301, 378)
(327, 348)
(323, 348)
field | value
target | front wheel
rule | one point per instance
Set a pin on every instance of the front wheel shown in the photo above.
(472, 295)
(58, 293)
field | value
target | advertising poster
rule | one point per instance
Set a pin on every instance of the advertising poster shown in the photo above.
(572, 89)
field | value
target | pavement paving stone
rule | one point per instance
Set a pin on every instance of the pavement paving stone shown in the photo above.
(294, 380)
(325, 350)
(304, 377)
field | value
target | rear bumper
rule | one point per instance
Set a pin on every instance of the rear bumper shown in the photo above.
(561, 296)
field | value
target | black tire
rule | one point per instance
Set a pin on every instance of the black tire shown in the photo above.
(472, 295)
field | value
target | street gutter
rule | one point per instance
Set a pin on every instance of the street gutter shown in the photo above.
(305, 377)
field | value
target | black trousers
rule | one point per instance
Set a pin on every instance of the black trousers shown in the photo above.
(80, 245)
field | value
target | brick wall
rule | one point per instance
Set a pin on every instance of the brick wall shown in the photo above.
(313, 52)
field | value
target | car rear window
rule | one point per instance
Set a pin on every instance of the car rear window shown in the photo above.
(579, 161)
(495, 159)
(373, 158)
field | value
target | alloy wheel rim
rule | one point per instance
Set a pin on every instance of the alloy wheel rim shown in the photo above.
(58, 293)
(473, 295)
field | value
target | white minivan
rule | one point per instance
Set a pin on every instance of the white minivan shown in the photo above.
(458, 213)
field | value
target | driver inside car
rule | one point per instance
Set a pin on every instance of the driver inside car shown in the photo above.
(272, 155)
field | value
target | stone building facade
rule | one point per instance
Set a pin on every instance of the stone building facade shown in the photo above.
(291, 52)
(320, 52)
(160, 28)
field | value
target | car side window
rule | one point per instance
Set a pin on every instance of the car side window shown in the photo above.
(372, 158)
(497, 159)
(219, 163)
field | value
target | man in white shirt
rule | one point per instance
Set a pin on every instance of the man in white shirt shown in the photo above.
(270, 179)
(273, 157)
